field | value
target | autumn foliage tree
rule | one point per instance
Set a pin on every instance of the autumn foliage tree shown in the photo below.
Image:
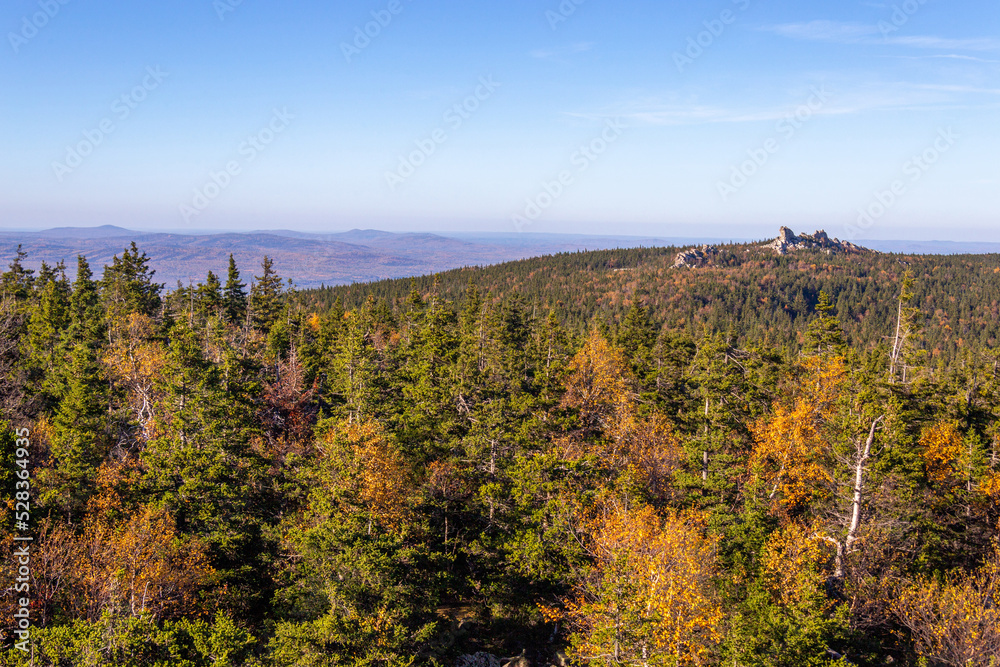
(366, 470)
(955, 621)
(599, 385)
(648, 598)
(600, 388)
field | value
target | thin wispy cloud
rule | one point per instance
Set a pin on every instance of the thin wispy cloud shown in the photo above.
(563, 51)
(961, 89)
(840, 32)
(926, 42)
(701, 115)
(853, 99)
(946, 56)
(824, 31)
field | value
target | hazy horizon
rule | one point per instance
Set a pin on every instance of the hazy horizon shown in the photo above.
(866, 119)
(916, 245)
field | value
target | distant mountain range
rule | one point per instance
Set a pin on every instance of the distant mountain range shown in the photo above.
(308, 259)
(359, 255)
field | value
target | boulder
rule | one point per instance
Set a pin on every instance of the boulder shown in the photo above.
(478, 660)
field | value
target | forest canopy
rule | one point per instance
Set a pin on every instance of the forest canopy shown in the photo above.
(590, 459)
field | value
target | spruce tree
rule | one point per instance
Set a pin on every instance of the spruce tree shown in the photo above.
(266, 299)
(49, 317)
(202, 468)
(16, 282)
(637, 338)
(45, 331)
(904, 353)
(234, 296)
(209, 297)
(127, 286)
(824, 335)
(86, 319)
(79, 433)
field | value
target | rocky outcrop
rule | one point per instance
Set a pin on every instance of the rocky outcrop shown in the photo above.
(695, 257)
(788, 241)
(478, 660)
(489, 660)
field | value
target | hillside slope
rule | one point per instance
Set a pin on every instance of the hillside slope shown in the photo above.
(749, 288)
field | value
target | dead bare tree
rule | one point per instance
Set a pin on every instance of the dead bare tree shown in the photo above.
(860, 462)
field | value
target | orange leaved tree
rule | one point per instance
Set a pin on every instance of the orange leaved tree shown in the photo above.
(648, 598)
(601, 388)
(366, 470)
(816, 454)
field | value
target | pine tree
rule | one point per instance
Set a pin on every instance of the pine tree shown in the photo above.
(17, 281)
(79, 441)
(234, 297)
(209, 297)
(266, 299)
(824, 335)
(127, 286)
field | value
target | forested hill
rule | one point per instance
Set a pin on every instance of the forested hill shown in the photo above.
(239, 474)
(747, 289)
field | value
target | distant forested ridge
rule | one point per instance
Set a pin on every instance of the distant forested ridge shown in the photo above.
(593, 459)
(746, 290)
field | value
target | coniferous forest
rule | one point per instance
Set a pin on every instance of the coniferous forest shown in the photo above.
(587, 459)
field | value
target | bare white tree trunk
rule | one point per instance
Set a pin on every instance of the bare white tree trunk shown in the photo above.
(863, 453)
(897, 344)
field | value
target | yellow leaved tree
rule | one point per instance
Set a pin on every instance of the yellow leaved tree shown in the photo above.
(946, 457)
(142, 566)
(955, 622)
(957, 463)
(791, 456)
(648, 598)
(600, 387)
(367, 466)
(816, 453)
(136, 361)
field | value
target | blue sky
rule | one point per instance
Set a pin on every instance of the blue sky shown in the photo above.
(722, 118)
